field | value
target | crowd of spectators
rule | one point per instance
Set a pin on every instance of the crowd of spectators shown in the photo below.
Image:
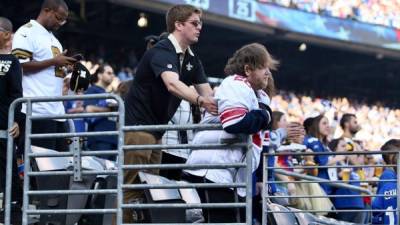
(378, 123)
(382, 12)
(243, 107)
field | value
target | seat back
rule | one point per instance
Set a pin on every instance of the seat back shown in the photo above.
(281, 214)
(167, 196)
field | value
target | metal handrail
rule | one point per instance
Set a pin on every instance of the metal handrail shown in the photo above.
(303, 178)
(317, 179)
(75, 153)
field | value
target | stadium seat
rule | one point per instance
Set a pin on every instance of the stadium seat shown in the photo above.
(167, 196)
(306, 218)
(56, 182)
(50, 183)
(98, 201)
(190, 196)
(303, 218)
(284, 218)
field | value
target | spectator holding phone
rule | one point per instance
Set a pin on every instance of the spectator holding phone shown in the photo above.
(43, 61)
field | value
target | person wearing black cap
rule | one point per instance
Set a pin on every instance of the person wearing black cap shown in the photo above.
(10, 89)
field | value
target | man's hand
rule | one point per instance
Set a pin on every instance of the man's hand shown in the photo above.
(62, 60)
(295, 132)
(90, 66)
(209, 104)
(14, 130)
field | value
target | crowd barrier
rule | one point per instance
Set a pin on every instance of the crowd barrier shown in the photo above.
(299, 178)
(83, 168)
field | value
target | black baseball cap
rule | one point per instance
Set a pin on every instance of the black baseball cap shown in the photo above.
(80, 78)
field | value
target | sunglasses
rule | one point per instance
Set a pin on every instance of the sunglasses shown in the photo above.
(196, 23)
(60, 19)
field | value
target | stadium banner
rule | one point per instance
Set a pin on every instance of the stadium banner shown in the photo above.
(293, 20)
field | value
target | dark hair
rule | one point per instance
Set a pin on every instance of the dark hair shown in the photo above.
(276, 117)
(334, 143)
(54, 4)
(391, 145)
(95, 77)
(307, 124)
(123, 88)
(151, 40)
(345, 119)
(179, 13)
(314, 129)
(254, 55)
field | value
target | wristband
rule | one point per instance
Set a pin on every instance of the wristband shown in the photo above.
(197, 101)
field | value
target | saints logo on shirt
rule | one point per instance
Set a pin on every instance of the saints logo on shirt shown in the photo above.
(59, 72)
(189, 67)
(4, 67)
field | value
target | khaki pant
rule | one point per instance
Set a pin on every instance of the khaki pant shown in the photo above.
(138, 157)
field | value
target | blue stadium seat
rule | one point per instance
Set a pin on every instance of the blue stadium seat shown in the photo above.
(281, 215)
(303, 218)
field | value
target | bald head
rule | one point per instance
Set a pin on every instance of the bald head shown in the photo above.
(5, 24)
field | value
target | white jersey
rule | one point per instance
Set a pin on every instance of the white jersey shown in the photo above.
(32, 42)
(235, 98)
(182, 116)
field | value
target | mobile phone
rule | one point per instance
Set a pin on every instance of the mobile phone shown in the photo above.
(78, 57)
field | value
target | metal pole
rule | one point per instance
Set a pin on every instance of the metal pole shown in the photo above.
(27, 163)
(10, 155)
(120, 161)
(249, 180)
(318, 180)
(76, 150)
(398, 189)
(264, 194)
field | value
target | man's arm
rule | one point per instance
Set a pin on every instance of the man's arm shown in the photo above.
(59, 60)
(181, 90)
(94, 109)
(204, 89)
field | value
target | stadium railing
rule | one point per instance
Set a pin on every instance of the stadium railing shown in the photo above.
(77, 173)
(75, 155)
(267, 199)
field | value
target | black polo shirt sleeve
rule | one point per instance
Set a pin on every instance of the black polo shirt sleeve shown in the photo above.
(200, 75)
(163, 61)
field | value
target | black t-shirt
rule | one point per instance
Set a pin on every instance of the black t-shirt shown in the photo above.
(148, 101)
(10, 87)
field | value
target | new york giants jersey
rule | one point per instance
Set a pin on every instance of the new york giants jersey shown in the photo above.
(386, 202)
(235, 99)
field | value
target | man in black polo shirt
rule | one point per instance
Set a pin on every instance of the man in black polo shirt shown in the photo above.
(163, 77)
(10, 90)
